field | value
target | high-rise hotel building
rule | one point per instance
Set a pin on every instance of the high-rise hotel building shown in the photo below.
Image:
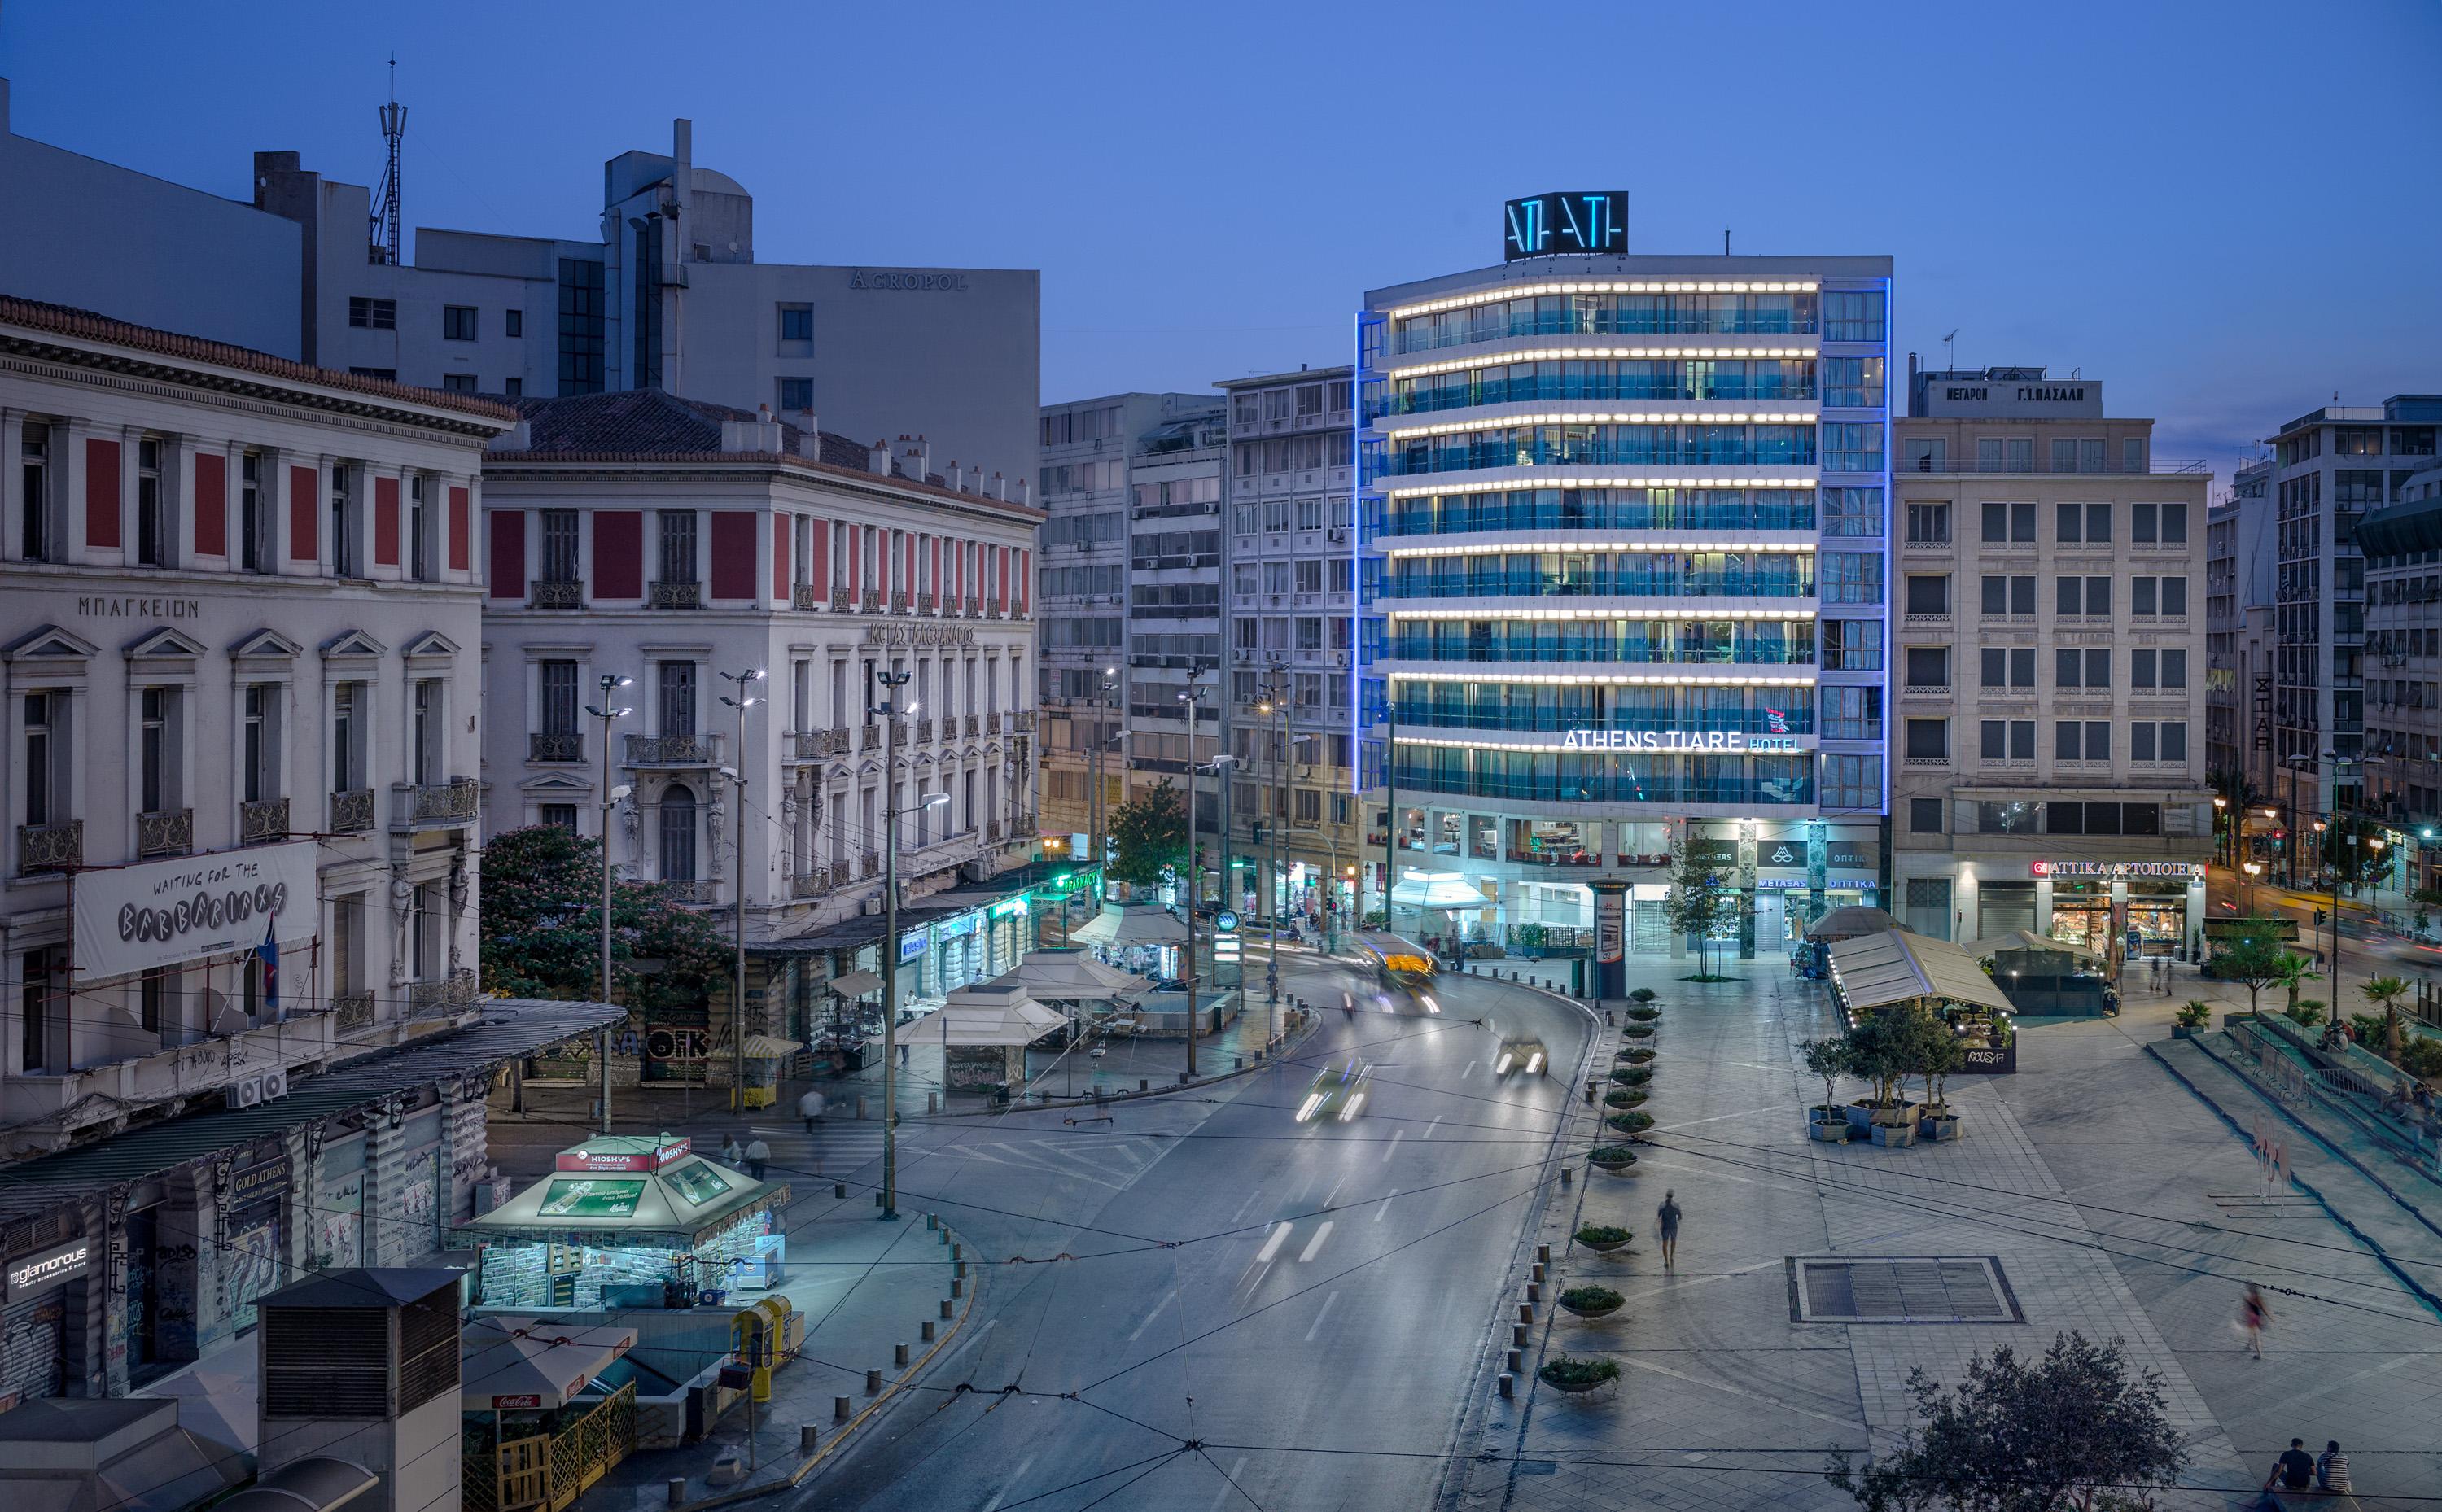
(1624, 556)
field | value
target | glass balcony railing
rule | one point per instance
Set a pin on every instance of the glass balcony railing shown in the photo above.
(1437, 398)
(1416, 715)
(1525, 448)
(1598, 584)
(1570, 778)
(1563, 509)
(1626, 643)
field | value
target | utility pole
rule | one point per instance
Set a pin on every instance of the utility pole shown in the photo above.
(1389, 806)
(1190, 696)
(1094, 804)
(742, 703)
(1276, 696)
(888, 712)
(607, 712)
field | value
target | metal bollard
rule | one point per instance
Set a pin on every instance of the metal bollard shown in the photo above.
(943, 1238)
(839, 1188)
(958, 1288)
(1543, 1254)
(958, 1252)
(1508, 1386)
(1184, 1079)
(1143, 1084)
(898, 1355)
(963, 1267)
(877, 1199)
(928, 1330)
(839, 1409)
(678, 1490)
(1242, 1063)
(809, 1438)
(1566, 1175)
(931, 1220)
(860, 1108)
(1525, 1312)
(1535, 1271)
(946, 1311)
(873, 1383)
(1517, 1335)
(1517, 1361)
(1534, 1291)
(932, 1102)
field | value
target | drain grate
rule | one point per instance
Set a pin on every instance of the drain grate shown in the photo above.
(1914, 1289)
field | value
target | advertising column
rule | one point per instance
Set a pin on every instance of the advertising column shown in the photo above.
(1611, 938)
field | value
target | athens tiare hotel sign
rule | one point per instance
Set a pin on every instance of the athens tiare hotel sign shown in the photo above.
(1698, 742)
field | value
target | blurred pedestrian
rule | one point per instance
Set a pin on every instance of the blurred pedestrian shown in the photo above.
(757, 1153)
(2332, 1469)
(2254, 1316)
(1666, 1219)
(732, 1153)
(809, 1109)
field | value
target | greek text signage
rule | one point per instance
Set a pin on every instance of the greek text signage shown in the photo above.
(133, 919)
(1689, 740)
(2183, 871)
(45, 1268)
(1553, 224)
(916, 279)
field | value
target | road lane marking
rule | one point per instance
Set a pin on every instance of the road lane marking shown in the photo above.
(1429, 1128)
(1235, 1471)
(1272, 1246)
(1470, 1069)
(1330, 1197)
(1318, 1321)
(1242, 1210)
(1396, 1135)
(1386, 1206)
(971, 1342)
(1019, 1474)
(1314, 1245)
(1151, 1316)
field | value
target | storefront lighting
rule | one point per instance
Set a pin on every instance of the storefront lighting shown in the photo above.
(1495, 359)
(1608, 417)
(1597, 548)
(1558, 475)
(1498, 294)
(1613, 680)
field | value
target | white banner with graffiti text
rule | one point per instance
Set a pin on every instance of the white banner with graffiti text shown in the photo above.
(161, 913)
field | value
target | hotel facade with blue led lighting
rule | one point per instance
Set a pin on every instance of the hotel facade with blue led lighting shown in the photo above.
(1624, 556)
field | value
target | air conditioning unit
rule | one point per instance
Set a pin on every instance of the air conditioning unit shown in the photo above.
(870, 908)
(254, 1091)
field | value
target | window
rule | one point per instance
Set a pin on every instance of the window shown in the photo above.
(1851, 645)
(560, 546)
(1927, 454)
(2082, 596)
(1997, 594)
(1852, 782)
(457, 323)
(35, 541)
(1929, 593)
(47, 759)
(677, 698)
(2082, 740)
(1852, 713)
(2009, 741)
(1852, 448)
(797, 322)
(2174, 522)
(152, 532)
(581, 321)
(259, 743)
(1928, 740)
(159, 1007)
(2098, 524)
(2009, 667)
(1925, 816)
(419, 554)
(1851, 578)
(2150, 669)
(343, 525)
(1929, 525)
(1852, 315)
(513, 322)
(559, 698)
(558, 815)
(2005, 454)
(157, 749)
(350, 736)
(678, 833)
(253, 520)
(1856, 383)
(2020, 818)
(1853, 512)
(425, 732)
(372, 315)
(1928, 666)
(517, 389)
(796, 395)
(458, 383)
(678, 546)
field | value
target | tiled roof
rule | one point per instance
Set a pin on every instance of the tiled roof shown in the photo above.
(652, 422)
(84, 325)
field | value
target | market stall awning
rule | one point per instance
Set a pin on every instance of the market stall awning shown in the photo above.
(1851, 923)
(623, 1188)
(1876, 970)
(989, 1015)
(1437, 889)
(518, 1363)
(1070, 975)
(855, 984)
(1118, 925)
(770, 1047)
(2028, 940)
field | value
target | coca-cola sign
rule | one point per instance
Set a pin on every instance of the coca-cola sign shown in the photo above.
(162, 913)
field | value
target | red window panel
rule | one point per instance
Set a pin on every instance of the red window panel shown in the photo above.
(101, 492)
(459, 528)
(1025, 581)
(819, 571)
(211, 504)
(733, 553)
(304, 491)
(508, 553)
(780, 563)
(908, 562)
(386, 522)
(618, 554)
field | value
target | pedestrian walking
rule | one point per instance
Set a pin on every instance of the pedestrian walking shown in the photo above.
(732, 1153)
(2294, 1470)
(809, 1109)
(2254, 1316)
(757, 1153)
(2332, 1469)
(1666, 1219)
(904, 1048)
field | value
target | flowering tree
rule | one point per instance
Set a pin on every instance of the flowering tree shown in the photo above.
(542, 926)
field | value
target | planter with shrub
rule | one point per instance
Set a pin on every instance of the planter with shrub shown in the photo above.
(1563, 1374)
(1592, 1302)
(2192, 1020)
(1936, 1121)
(1601, 1239)
(1612, 1158)
(1630, 1122)
(1624, 1097)
(1643, 996)
(1642, 1015)
(1635, 1055)
(1632, 1075)
(1637, 1031)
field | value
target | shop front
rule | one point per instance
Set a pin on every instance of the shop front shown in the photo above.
(46, 1274)
(2118, 909)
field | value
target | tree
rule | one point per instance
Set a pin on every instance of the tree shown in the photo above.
(2254, 962)
(2296, 971)
(2354, 852)
(1936, 1053)
(542, 926)
(2076, 1429)
(2384, 992)
(1830, 1060)
(1698, 902)
(2229, 818)
(1148, 832)
(1877, 1051)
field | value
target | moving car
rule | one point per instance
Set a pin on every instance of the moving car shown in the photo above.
(1338, 1092)
(1520, 1053)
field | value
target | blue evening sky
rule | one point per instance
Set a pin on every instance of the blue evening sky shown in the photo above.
(2227, 211)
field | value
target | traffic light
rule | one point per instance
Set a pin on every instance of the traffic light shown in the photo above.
(1255, 830)
(2320, 917)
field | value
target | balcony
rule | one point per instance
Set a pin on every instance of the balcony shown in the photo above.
(434, 805)
(187, 1071)
(677, 595)
(870, 738)
(673, 750)
(873, 600)
(991, 832)
(352, 810)
(700, 890)
(900, 602)
(810, 883)
(444, 998)
(812, 745)
(565, 594)
(975, 608)
(992, 723)
(555, 747)
(842, 600)
(870, 864)
(50, 847)
(165, 832)
(261, 822)
(1022, 721)
(923, 732)
(351, 1010)
(974, 724)
(806, 596)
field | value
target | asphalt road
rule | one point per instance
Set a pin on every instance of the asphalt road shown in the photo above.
(1306, 1303)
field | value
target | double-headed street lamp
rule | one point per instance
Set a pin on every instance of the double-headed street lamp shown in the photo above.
(607, 712)
(889, 712)
(741, 700)
(1095, 803)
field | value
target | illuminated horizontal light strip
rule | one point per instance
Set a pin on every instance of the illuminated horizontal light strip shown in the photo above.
(1448, 427)
(1595, 548)
(1517, 291)
(1605, 679)
(1600, 613)
(1554, 746)
(1495, 359)
(1504, 485)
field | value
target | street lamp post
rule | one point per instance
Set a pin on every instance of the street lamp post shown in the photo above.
(607, 712)
(888, 712)
(1276, 703)
(741, 702)
(2253, 870)
(1094, 802)
(2221, 831)
(1192, 695)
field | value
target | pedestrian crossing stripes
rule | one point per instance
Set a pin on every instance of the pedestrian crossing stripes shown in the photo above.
(840, 1149)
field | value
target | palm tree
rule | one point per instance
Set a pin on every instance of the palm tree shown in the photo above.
(2384, 992)
(2294, 972)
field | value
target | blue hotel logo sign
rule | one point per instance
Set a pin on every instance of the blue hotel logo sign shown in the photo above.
(1558, 225)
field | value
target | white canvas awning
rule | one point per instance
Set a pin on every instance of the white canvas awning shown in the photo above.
(529, 1362)
(989, 1015)
(2028, 940)
(855, 984)
(1876, 970)
(1851, 923)
(1070, 975)
(1120, 926)
(1437, 889)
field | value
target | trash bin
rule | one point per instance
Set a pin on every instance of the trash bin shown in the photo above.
(1000, 1094)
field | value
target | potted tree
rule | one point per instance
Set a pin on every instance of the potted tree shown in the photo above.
(2193, 1016)
(1878, 1053)
(1613, 1157)
(1563, 1374)
(2254, 962)
(1592, 1302)
(1938, 1054)
(1603, 1239)
(2384, 992)
(1828, 1059)
(1529, 939)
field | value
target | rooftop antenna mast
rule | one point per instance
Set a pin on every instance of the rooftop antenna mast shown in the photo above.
(384, 246)
(1950, 348)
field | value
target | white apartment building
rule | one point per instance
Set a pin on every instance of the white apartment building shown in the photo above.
(2048, 680)
(2238, 629)
(685, 545)
(1174, 585)
(664, 292)
(1628, 516)
(1296, 847)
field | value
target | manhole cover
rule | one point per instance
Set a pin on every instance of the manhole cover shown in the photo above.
(1913, 1289)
